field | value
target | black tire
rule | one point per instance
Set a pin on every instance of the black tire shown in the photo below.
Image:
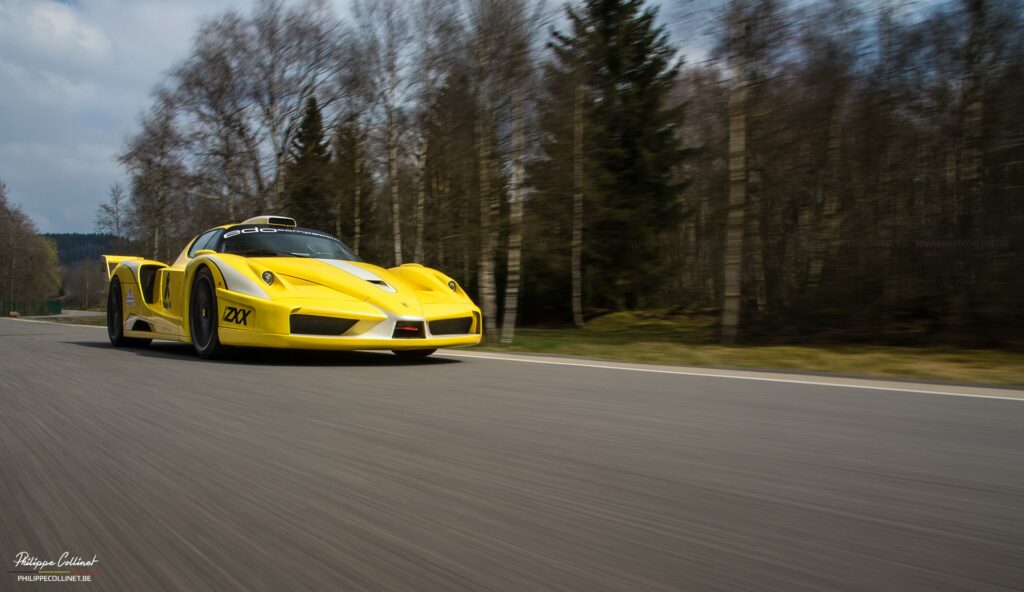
(115, 319)
(413, 354)
(203, 316)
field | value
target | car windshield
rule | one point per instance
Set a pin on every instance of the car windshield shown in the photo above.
(275, 241)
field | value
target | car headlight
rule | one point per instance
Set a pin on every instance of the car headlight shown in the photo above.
(453, 286)
(268, 277)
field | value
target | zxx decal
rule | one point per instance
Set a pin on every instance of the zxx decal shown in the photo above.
(237, 316)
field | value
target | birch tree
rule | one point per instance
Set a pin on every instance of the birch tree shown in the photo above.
(112, 215)
(733, 257)
(518, 77)
(383, 30)
(290, 55)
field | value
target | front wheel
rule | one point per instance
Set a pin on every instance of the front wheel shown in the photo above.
(202, 320)
(413, 354)
(115, 319)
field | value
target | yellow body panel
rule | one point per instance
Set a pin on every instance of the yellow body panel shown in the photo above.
(251, 312)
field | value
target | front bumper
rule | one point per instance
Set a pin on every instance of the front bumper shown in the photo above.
(274, 340)
(267, 324)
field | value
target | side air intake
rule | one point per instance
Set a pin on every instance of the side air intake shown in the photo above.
(459, 326)
(318, 325)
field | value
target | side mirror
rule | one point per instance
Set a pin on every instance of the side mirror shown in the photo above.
(204, 252)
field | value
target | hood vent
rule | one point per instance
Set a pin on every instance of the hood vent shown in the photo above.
(383, 285)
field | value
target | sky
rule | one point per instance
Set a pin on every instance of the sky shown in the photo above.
(74, 78)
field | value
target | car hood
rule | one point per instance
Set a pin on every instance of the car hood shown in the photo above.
(333, 278)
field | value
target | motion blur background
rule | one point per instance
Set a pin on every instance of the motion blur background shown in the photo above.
(839, 171)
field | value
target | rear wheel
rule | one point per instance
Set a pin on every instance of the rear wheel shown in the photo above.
(202, 320)
(115, 319)
(413, 354)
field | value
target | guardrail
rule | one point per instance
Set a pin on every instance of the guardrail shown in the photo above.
(32, 308)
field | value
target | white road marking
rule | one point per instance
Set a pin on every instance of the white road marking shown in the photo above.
(56, 323)
(681, 372)
(745, 376)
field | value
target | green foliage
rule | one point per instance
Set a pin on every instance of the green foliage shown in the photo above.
(28, 261)
(73, 246)
(625, 65)
(306, 179)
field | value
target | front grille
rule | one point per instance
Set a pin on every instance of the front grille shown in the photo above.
(451, 326)
(408, 330)
(317, 325)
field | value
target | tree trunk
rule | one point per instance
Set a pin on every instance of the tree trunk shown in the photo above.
(515, 239)
(485, 265)
(968, 210)
(13, 282)
(972, 159)
(755, 233)
(577, 207)
(829, 228)
(339, 198)
(357, 207)
(442, 204)
(277, 199)
(421, 198)
(733, 261)
(396, 213)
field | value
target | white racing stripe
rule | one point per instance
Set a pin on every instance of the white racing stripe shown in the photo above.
(235, 281)
(361, 273)
(737, 376)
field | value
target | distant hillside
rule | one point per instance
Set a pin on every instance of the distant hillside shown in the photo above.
(72, 247)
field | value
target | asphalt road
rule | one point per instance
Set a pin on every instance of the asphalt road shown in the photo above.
(299, 471)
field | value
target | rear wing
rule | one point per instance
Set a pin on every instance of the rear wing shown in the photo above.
(110, 263)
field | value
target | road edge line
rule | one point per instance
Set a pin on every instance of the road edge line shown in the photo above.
(696, 372)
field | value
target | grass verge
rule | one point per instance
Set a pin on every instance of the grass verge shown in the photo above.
(689, 341)
(98, 321)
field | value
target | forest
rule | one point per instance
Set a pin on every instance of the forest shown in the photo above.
(837, 170)
(29, 270)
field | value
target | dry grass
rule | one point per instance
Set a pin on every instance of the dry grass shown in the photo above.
(688, 341)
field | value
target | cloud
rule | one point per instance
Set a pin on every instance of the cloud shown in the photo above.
(73, 79)
(54, 34)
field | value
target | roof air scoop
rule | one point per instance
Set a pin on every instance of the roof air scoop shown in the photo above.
(272, 220)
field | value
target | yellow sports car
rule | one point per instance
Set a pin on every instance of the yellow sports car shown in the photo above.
(267, 283)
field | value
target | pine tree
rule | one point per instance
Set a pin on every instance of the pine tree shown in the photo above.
(306, 181)
(619, 66)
